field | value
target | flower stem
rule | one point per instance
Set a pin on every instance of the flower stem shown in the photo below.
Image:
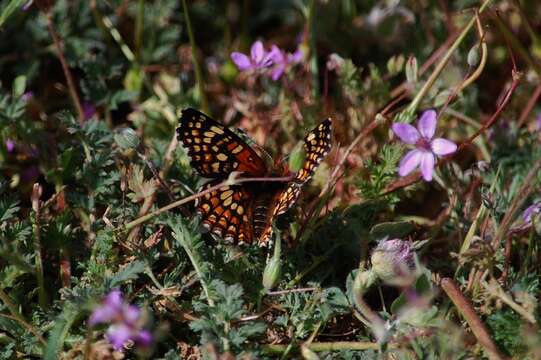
(313, 51)
(36, 229)
(197, 68)
(441, 65)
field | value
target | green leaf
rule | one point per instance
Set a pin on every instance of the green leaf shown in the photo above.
(9, 9)
(59, 333)
(19, 86)
(391, 230)
(130, 272)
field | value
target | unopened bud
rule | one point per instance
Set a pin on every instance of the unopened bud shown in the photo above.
(393, 261)
(412, 70)
(473, 56)
(273, 270)
(127, 139)
(363, 281)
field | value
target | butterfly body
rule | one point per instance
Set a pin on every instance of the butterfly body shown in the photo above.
(243, 212)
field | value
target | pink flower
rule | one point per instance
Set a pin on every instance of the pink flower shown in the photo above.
(283, 60)
(259, 58)
(10, 145)
(426, 149)
(531, 211)
(125, 320)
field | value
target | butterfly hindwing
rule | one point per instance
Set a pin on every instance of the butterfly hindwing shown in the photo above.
(216, 151)
(316, 146)
(227, 211)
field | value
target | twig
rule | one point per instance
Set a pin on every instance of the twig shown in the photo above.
(443, 62)
(328, 346)
(193, 197)
(285, 292)
(532, 101)
(464, 306)
(71, 84)
(36, 229)
(495, 289)
(528, 186)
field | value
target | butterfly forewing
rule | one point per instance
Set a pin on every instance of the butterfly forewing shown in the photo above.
(227, 211)
(216, 151)
(316, 146)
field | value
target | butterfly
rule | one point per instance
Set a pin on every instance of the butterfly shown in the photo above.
(243, 213)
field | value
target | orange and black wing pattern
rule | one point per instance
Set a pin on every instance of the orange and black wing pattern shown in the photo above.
(227, 212)
(214, 150)
(317, 145)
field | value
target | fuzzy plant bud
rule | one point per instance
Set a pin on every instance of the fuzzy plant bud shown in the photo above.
(473, 56)
(363, 281)
(273, 270)
(127, 139)
(412, 70)
(393, 262)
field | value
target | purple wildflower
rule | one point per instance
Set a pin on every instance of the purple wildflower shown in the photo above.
(125, 320)
(426, 148)
(88, 110)
(531, 211)
(538, 122)
(259, 58)
(393, 261)
(282, 60)
(27, 96)
(10, 145)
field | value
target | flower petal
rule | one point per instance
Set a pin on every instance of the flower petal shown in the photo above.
(296, 57)
(427, 124)
(442, 146)
(242, 61)
(118, 335)
(131, 314)
(531, 210)
(277, 71)
(409, 162)
(257, 52)
(144, 338)
(406, 133)
(427, 165)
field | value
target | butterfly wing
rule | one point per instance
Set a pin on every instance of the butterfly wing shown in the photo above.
(317, 145)
(227, 211)
(216, 151)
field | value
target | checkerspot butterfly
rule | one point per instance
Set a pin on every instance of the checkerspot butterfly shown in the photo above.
(243, 212)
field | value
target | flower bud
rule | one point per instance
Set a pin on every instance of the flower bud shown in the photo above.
(363, 281)
(393, 261)
(412, 70)
(273, 270)
(127, 139)
(473, 56)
